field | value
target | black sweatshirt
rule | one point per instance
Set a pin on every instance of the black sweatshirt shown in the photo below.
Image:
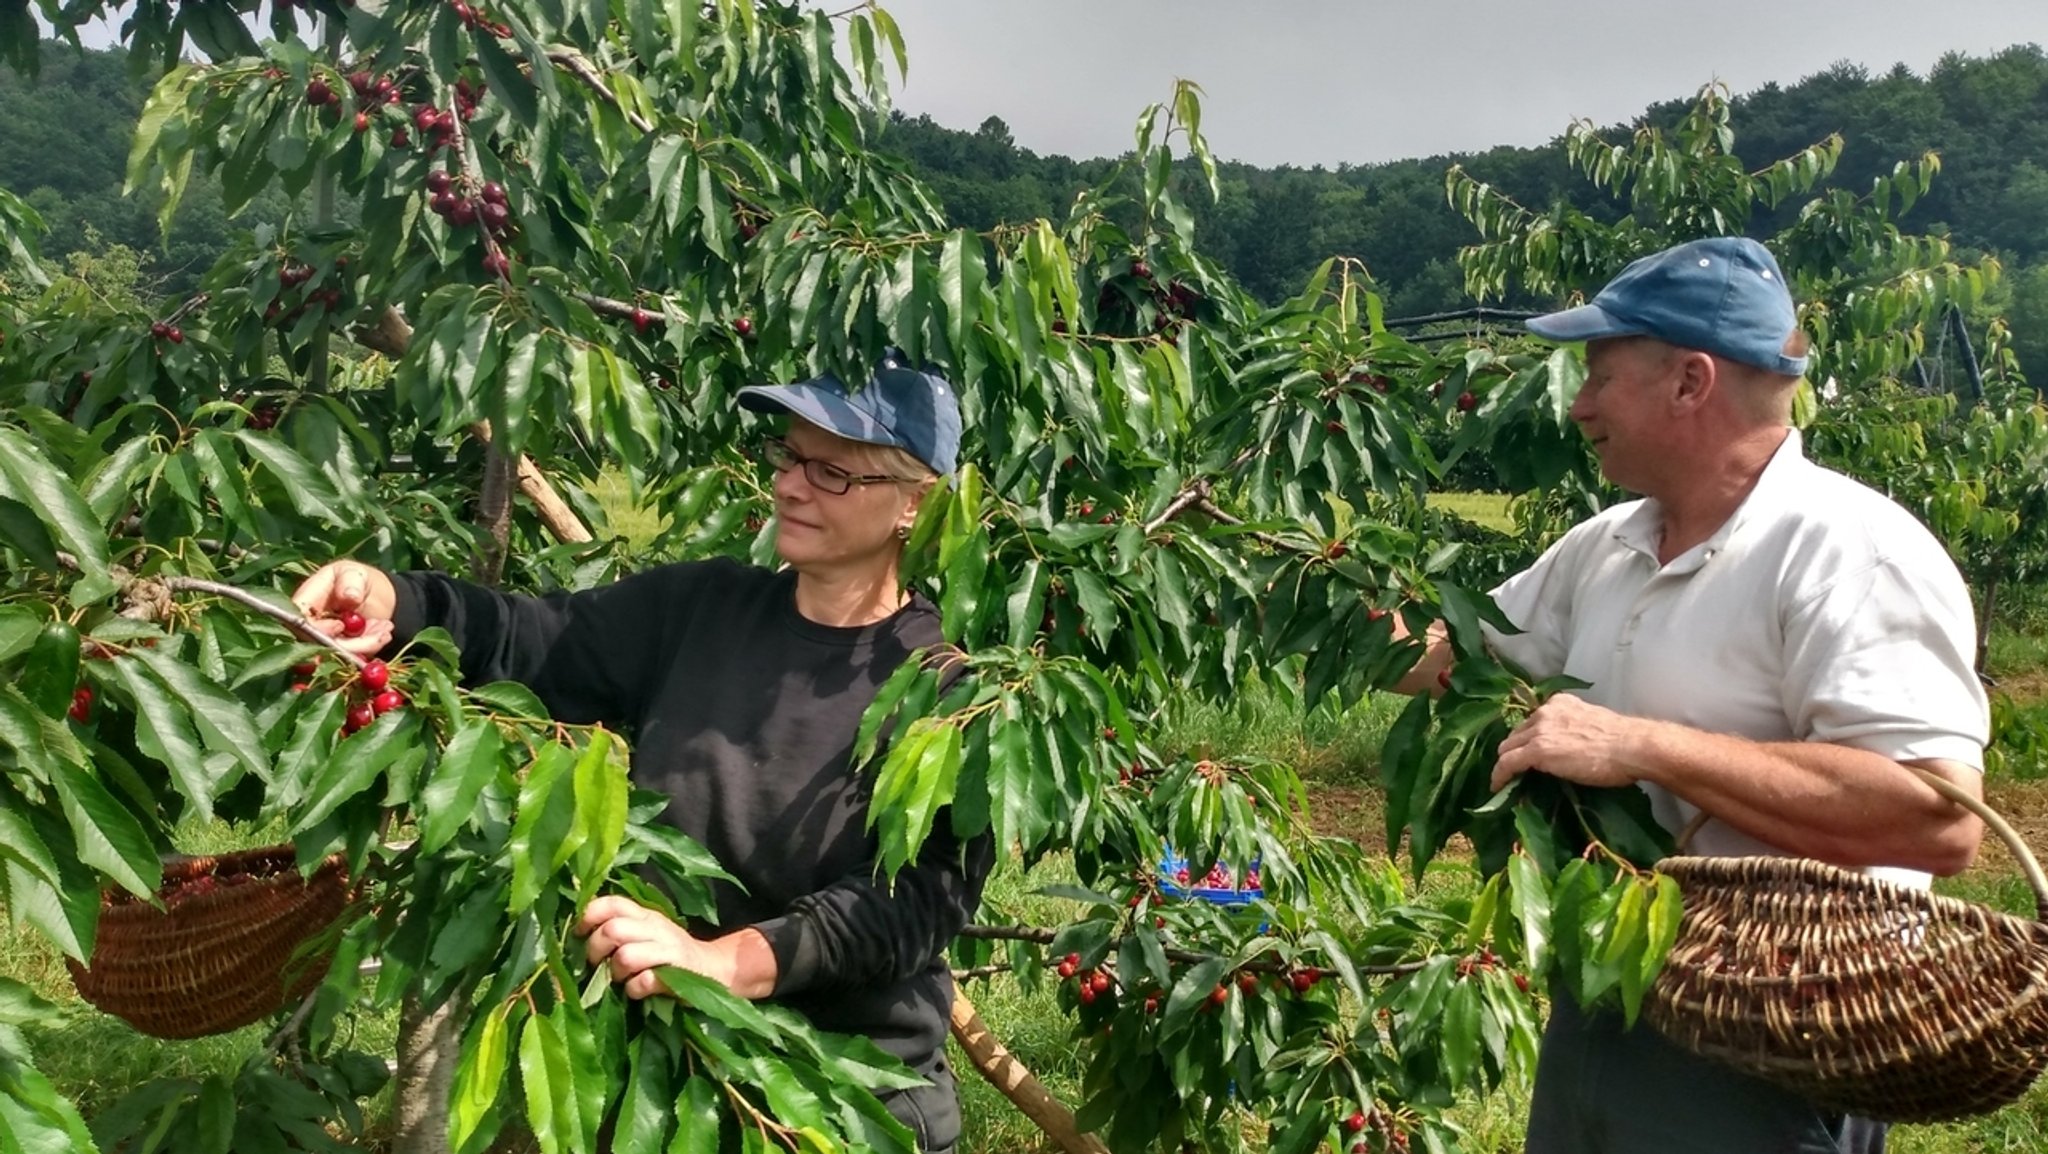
(744, 713)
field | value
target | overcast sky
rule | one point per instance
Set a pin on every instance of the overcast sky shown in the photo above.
(1360, 81)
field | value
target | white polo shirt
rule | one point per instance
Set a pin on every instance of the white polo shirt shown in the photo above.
(1821, 611)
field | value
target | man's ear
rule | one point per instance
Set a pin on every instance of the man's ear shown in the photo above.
(1698, 378)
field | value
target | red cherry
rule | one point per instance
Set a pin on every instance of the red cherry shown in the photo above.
(1072, 960)
(359, 715)
(1152, 1003)
(463, 214)
(496, 216)
(375, 676)
(641, 319)
(317, 93)
(1100, 981)
(81, 704)
(425, 118)
(300, 686)
(400, 138)
(1088, 995)
(1219, 995)
(387, 701)
(1066, 969)
(1305, 979)
(176, 335)
(1248, 982)
(494, 193)
(1356, 1122)
(1467, 401)
(438, 181)
(1443, 678)
(159, 330)
(1141, 270)
(306, 668)
(743, 326)
(353, 624)
(362, 122)
(1375, 613)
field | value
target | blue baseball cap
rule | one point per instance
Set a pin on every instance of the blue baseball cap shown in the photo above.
(900, 406)
(1724, 295)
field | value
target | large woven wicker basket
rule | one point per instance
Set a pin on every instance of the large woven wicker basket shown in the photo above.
(1864, 996)
(224, 952)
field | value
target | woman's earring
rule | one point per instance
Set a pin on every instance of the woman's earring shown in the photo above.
(903, 532)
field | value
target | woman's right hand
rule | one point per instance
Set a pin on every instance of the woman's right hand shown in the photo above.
(340, 588)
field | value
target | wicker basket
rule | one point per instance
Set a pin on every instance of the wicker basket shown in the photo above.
(1863, 996)
(222, 953)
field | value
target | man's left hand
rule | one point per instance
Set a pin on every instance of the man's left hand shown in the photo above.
(1572, 738)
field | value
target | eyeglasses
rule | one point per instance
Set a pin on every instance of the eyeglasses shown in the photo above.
(823, 475)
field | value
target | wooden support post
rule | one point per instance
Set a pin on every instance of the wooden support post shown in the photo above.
(995, 1062)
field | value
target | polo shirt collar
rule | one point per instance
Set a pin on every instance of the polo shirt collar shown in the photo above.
(1642, 529)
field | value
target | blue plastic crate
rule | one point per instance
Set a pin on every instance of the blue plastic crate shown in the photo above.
(1223, 886)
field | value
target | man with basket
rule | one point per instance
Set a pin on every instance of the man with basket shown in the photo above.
(1767, 644)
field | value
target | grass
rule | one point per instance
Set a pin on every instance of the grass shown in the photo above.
(1487, 509)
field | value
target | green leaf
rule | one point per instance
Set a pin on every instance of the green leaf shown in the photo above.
(21, 1006)
(223, 721)
(1097, 606)
(1667, 912)
(28, 477)
(214, 1115)
(1461, 1032)
(506, 81)
(544, 819)
(356, 762)
(310, 493)
(645, 1111)
(163, 730)
(480, 1075)
(550, 1095)
(470, 762)
(1531, 899)
(107, 836)
(960, 279)
(601, 792)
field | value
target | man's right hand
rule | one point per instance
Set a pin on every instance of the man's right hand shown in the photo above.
(340, 588)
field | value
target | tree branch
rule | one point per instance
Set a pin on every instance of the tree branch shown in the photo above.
(575, 65)
(292, 621)
(1044, 937)
(1196, 493)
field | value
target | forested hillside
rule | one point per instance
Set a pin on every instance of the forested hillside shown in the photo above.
(63, 144)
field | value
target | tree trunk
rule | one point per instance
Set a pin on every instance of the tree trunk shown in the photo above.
(429, 1048)
(390, 335)
(494, 516)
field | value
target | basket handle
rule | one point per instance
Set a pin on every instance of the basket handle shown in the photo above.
(1948, 789)
(2010, 836)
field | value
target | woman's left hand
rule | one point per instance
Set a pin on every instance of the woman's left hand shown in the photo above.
(635, 942)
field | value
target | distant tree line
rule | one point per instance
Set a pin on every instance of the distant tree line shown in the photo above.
(64, 141)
